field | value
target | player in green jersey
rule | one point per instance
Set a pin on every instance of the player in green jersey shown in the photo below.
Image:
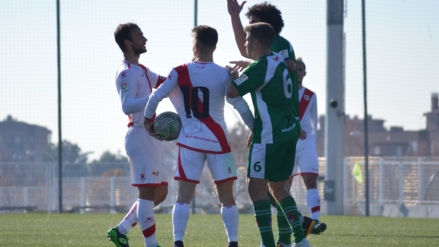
(268, 13)
(265, 12)
(272, 150)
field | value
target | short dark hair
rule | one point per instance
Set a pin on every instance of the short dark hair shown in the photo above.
(205, 36)
(124, 32)
(267, 13)
(263, 32)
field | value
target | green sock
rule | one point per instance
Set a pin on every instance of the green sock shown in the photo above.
(262, 210)
(283, 227)
(289, 208)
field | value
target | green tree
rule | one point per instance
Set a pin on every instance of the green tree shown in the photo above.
(71, 153)
(108, 157)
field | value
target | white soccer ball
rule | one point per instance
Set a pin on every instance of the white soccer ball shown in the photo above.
(167, 125)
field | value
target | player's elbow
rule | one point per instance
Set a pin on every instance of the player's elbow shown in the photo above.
(232, 92)
(126, 109)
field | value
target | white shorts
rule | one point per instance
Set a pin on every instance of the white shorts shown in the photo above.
(306, 161)
(146, 158)
(190, 166)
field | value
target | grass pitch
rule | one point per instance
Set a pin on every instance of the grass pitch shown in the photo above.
(55, 230)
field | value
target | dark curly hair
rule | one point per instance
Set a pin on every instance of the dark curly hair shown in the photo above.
(267, 13)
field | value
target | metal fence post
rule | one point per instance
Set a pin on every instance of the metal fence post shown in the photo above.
(420, 180)
(381, 188)
(401, 182)
(112, 195)
(83, 195)
(26, 196)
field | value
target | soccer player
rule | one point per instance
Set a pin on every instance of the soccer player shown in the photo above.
(265, 12)
(197, 90)
(273, 146)
(134, 83)
(306, 163)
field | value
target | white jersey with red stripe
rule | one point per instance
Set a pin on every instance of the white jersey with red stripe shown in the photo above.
(197, 90)
(306, 161)
(134, 84)
(309, 117)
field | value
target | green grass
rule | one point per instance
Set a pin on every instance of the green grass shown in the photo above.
(36, 229)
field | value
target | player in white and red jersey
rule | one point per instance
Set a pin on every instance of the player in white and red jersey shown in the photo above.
(134, 83)
(197, 90)
(306, 162)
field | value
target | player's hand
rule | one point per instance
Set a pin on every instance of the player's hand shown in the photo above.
(234, 7)
(149, 128)
(240, 65)
(250, 139)
(302, 135)
(234, 74)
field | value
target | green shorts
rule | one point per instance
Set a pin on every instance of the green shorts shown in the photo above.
(272, 161)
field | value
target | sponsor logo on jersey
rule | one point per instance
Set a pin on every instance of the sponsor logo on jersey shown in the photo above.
(124, 86)
(241, 79)
(275, 58)
(155, 173)
(123, 74)
(142, 176)
(306, 97)
(289, 128)
(284, 53)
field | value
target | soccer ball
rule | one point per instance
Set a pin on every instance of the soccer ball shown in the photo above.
(167, 125)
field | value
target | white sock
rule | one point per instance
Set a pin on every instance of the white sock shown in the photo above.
(129, 221)
(180, 217)
(231, 218)
(147, 221)
(313, 202)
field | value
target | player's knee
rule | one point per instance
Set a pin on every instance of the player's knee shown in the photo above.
(147, 193)
(310, 181)
(257, 194)
(161, 194)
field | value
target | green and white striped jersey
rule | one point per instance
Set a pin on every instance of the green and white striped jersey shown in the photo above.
(285, 49)
(269, 83)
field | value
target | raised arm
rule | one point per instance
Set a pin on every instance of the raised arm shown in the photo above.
(234, 9)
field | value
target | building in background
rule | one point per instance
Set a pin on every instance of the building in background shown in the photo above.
(20, 141)
(388, 142)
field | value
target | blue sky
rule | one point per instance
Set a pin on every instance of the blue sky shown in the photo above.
(402, 53)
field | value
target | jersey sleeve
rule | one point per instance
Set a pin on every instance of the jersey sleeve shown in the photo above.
(285, 49)
(243, 109)
(252, 78)
(126, 83)
(162, 92)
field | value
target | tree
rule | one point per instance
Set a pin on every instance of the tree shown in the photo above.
(108, 157)
(71, 153)
(109, 165)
